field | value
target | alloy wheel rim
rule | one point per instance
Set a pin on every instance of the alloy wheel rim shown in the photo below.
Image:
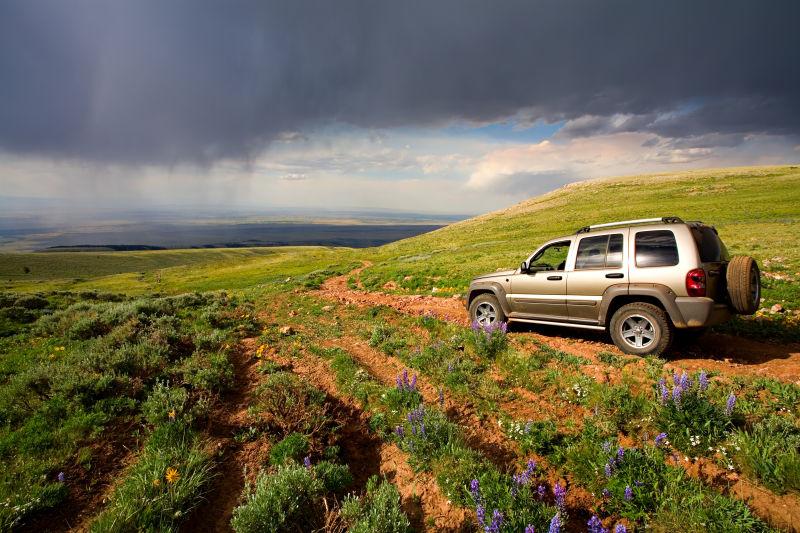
(638, 331)
(485, 314)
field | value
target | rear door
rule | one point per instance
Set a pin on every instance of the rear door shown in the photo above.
(600, 262)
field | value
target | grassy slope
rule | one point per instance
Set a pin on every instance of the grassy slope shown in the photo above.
(756, 210)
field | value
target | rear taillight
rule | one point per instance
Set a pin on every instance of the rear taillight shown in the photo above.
(696, 282)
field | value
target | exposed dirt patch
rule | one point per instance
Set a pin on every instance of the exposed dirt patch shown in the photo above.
(780, 511)
(227, 419)
(88, 489)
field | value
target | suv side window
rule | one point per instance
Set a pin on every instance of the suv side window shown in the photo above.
(656, 249)
(602, 251)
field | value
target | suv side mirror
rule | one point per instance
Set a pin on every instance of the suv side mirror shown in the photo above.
(523, 267)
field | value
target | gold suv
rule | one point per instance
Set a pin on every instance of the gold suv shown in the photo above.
(640, 279)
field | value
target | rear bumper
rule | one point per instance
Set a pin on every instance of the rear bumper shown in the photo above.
(701, 312)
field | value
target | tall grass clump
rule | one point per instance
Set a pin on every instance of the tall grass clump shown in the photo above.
(770, 453)
(490, 340)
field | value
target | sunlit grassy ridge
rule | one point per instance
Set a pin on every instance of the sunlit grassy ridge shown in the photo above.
(756, 210)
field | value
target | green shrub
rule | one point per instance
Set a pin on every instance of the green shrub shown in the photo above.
(31, 301)
(426, 435)
(208, 371)
(286, 404)
(770, 452)
(378, 511)
(287, 499)
(620, 405)
(166, 404)
(293, 447)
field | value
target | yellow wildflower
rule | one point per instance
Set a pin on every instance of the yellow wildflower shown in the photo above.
(156, 482)
(172, 475)
(172, 414)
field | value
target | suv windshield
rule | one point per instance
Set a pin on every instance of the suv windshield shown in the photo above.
(710, 246)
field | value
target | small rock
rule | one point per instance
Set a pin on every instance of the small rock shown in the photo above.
(777, 308)
(287, 330)
(435, 289)
(292, 313)
(456, 297)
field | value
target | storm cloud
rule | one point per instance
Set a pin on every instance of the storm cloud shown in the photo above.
(168, 82)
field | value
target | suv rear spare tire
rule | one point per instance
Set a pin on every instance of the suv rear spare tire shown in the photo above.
(744, 284)
(641, 328)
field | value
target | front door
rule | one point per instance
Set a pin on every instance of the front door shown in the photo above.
(542, 290)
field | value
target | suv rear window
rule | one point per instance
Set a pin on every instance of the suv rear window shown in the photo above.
(656, 248)
(710, 246)
(602, 251)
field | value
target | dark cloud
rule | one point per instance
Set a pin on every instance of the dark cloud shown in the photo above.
(154, 81)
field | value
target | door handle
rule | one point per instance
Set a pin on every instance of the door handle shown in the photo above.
(615, 275)
(553, 278)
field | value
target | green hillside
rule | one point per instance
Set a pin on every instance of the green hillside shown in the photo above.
(756, 210)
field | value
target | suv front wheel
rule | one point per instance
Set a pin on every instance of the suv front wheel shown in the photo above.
(641, 328)
(486, 310)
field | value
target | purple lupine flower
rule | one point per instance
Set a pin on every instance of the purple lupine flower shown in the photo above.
(560, 493)
(528, 427)
(475, 490)
(540, 490)
(497, 521)
(703, 380)
(422, 429)
(61, 477)
(620, 529)
(608, 470)
(555, 524)
(595, 525)
(399, 382)
(399, 431)
(414, 430)
(530, 529)
(676, 379)
(504, 327)
(676, 395)
(620, 453)
(685, 382)
(531, 467)
(628, 493)
(405, 378)
(607, 446)
(662, 387)
(480, 513)
(606, 493)
(413, 385)
(730, 404)
(307, 461)
(660, 438)
(476, 326)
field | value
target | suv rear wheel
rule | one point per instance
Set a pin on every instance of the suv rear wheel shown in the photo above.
(641, 328)
(485, 310)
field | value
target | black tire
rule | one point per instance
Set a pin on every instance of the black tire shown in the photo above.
(650, 318)
(744, 284)
(484, 302)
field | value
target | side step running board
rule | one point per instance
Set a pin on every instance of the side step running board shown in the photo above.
(563, 324)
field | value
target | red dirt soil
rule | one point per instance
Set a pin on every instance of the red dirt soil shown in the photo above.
(714, 352)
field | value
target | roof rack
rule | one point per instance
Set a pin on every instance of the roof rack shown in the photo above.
(663, 220)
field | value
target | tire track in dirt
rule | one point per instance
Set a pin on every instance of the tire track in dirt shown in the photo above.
(225, 420)
(726, 354)
(366, 454)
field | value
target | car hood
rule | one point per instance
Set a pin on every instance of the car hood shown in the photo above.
(489, 275)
